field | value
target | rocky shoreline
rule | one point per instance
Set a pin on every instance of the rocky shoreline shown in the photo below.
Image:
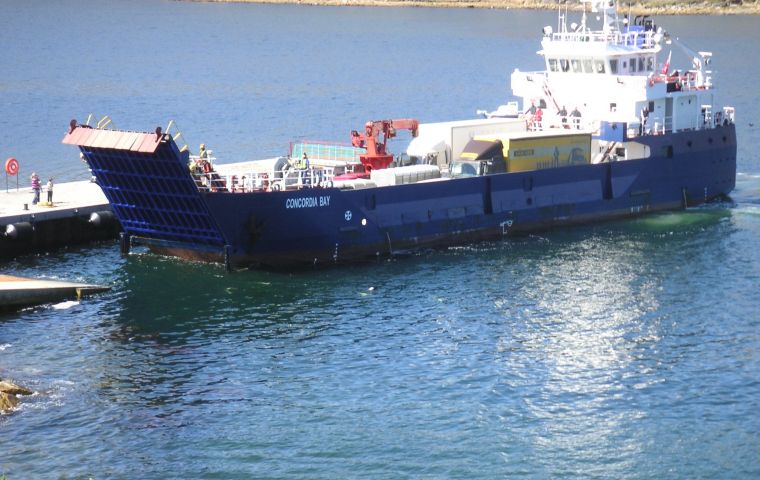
(660, 7)
(9, 393)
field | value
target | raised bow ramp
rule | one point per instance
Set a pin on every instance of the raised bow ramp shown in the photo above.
(146, 180)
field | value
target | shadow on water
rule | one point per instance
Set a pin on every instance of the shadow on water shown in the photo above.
(161, 294)
(165, 298)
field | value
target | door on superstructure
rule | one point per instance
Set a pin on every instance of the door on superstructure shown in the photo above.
(669, 120)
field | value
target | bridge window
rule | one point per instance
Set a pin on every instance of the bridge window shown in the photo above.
(641, 64)
(576, 65)
(613, 66)
(587, 66)
(650, 64)
(553, 67)
(633, 65)
(599, 65)
(564, 64)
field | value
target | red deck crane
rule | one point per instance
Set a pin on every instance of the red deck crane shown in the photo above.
(377, 156)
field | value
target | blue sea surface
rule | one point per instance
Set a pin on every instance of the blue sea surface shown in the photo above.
(618, 350)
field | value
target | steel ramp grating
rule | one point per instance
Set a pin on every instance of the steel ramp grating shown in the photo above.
(153, 194)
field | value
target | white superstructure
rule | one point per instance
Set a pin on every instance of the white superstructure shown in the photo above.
(618, 73)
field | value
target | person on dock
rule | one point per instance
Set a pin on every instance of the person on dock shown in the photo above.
(36, 187)
(49, 188)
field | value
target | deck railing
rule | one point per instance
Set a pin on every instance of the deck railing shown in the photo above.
(633, 39)
(265, 181)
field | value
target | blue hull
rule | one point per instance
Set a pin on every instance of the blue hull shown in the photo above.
(322, 226)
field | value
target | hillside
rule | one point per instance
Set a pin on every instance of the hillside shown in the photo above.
(668, 7)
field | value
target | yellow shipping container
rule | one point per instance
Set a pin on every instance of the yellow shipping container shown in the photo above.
(540, 150)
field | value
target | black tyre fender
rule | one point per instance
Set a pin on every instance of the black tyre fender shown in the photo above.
(279, 165)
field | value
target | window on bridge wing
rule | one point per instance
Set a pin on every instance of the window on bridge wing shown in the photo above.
(613, 66)
(564, 65)
(588, 66)
(599, 66)
(650, 64)
(633, 65)
(553, 67)
(641, 64)
(576, 65)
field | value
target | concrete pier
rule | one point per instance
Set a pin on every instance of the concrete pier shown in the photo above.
(16, 292)
(27, 228)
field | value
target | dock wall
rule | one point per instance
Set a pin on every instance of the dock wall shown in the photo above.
(79, 214)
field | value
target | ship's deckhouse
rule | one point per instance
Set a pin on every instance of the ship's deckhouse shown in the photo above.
(617, 74)
(612, 64)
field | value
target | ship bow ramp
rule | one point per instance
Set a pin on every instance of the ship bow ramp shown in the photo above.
(147, 182)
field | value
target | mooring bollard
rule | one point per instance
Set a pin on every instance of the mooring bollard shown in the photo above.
(26, 206)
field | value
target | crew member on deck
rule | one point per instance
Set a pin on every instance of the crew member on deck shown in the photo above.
(537, 119)
(644, 117)
(576, 116)
(532, 109)
(203, 152)
(303, 164)
(563, 116)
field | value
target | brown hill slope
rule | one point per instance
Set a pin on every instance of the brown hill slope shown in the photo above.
(668, 7)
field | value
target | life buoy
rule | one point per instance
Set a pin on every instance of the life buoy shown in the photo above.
(11, 167)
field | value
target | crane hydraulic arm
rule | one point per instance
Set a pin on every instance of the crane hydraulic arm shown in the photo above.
(377, 156)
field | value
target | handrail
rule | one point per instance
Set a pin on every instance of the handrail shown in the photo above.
(104, 122)
(101, 124)
(178, 137)
(635, 39)
(265, 181)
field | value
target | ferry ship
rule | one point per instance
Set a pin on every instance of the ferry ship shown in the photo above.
(608, 130)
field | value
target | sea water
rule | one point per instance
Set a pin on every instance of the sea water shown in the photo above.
(617, 350)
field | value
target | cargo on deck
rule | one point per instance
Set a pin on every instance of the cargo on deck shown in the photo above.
(539, 150)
